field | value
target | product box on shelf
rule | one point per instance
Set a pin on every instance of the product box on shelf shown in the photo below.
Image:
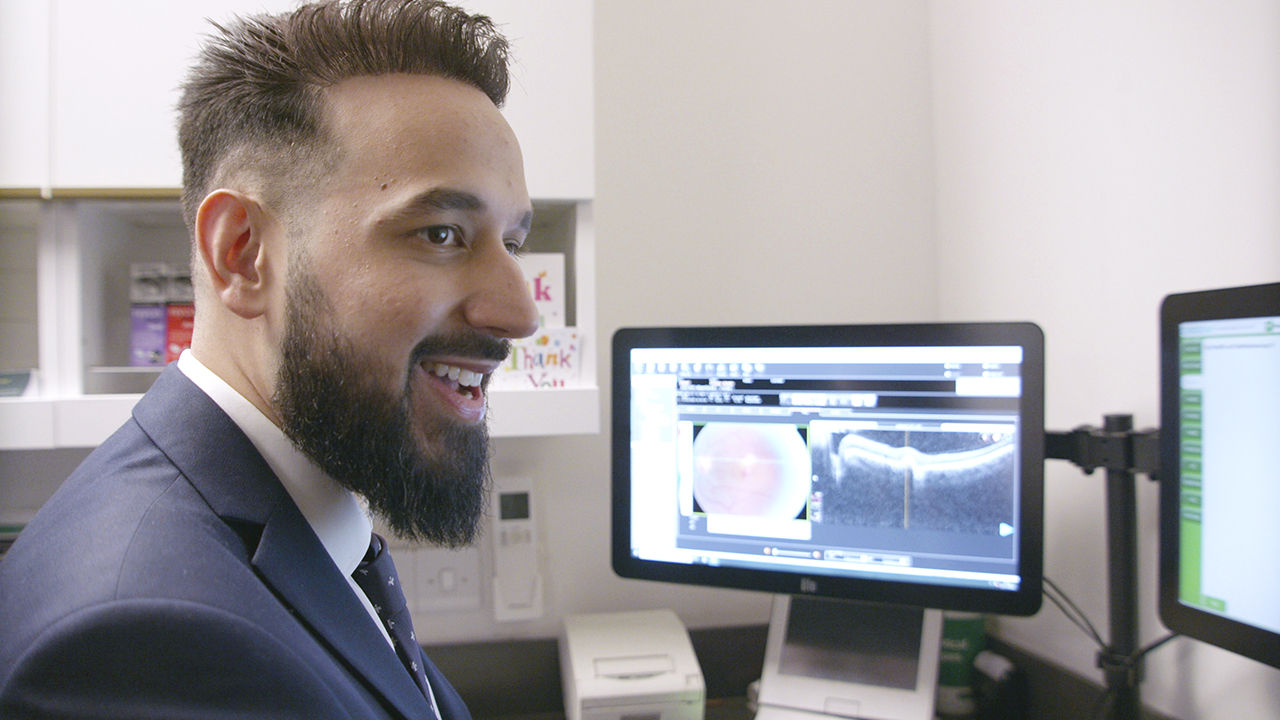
(148, 291)
(161, 313)
(180, 314)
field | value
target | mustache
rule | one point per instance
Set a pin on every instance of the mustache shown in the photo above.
(463, 344)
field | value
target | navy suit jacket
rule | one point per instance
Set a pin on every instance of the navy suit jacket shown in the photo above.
(171, 576)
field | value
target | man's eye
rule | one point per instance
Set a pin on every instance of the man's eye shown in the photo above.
(443, 235)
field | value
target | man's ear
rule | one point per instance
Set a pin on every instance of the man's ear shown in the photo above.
(229, 234)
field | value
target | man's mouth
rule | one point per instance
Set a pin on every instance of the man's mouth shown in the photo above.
(467, 383)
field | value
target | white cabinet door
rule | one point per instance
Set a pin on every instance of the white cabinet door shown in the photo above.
(24, 94)
(116, 70)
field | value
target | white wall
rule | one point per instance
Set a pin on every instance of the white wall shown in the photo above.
(752, 166)
(1087, 159)
(759, 162)
(1093, 157)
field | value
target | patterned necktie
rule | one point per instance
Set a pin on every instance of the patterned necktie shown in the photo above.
(376, 576)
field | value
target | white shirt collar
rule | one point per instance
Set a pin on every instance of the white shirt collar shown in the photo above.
(336, 515)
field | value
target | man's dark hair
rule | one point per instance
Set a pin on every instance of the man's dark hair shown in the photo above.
(252, 101)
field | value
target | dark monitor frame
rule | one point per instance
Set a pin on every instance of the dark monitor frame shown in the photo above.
(1242, 302)
(1025, 600)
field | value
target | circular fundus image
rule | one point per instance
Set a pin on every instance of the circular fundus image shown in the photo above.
(751, 469)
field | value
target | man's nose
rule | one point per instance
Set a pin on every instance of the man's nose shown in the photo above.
(500, 302)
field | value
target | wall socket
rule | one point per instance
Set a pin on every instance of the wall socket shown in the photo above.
(437, 580)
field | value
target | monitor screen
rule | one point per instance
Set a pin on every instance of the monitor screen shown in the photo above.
(886, 463)
(1220, 468)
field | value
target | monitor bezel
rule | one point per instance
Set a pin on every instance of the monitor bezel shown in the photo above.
(1025, 600)
(1224, 303)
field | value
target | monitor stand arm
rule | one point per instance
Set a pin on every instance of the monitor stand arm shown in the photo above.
(1123, 452)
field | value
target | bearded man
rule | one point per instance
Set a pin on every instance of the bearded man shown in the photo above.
(355, 201)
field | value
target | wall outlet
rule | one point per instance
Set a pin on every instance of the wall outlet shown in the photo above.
(437, 580)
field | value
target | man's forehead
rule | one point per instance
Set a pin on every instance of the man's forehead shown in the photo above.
(396, 117)
(402, 99)
(404, 136)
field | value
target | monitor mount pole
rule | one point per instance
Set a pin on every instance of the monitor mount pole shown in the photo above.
(1122, 452)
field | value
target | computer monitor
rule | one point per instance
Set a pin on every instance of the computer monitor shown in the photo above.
(886, 463)
(900, 466)
(1220, 468)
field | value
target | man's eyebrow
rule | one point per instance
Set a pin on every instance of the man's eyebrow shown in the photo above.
(444, 199)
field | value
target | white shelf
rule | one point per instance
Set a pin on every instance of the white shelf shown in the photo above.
(47, 423)
(87, 420)
(26, 424)
(83, 251)
(562, 411)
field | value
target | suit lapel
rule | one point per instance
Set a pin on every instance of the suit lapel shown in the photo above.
(291, 560)
(223, 466)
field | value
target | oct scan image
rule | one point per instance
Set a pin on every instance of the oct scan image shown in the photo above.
(922, 479)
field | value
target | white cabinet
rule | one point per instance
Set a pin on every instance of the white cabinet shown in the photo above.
(24, 95)
(115, 69)
(101, 110)
(89, 176)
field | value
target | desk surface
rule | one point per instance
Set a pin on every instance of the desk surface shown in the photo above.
(528, 685)
(717, 709)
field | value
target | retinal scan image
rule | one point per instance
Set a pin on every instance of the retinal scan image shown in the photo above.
(752, 469)
(946, 481)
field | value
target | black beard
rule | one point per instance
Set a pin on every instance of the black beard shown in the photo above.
(333, 409)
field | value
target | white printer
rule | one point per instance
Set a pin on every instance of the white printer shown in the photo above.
(630, 665)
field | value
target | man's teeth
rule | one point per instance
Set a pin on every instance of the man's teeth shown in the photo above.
(464, 377)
